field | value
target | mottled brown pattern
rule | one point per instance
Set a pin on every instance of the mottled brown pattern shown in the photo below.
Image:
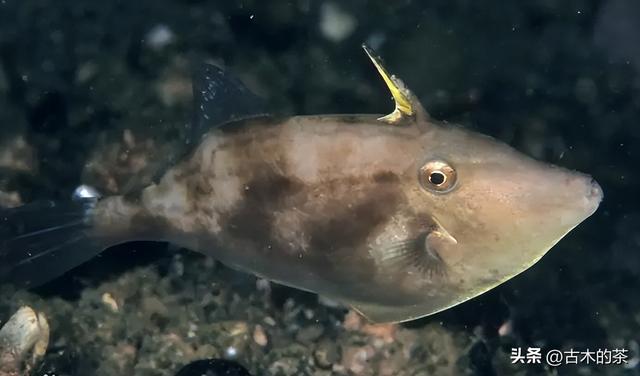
(333, 218)
(327, 203)
(197, 183)
(349, 226)
(120, 220)
(386, 177)
(266, 186)
(340, 235)
(252, 220)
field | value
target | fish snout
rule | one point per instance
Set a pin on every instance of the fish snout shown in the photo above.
(594, 194)
(595, 191)
(587, 192)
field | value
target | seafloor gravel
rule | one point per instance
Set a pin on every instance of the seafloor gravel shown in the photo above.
(97, 91)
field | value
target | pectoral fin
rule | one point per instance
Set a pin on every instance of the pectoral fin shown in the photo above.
(407, 104)
(417, 254)
(420, 253)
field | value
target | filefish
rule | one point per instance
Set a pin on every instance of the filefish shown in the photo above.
(398, 216)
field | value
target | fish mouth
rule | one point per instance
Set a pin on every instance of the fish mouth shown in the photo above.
(593, 196)
(579, 200)
(580, 197)
(596, 194)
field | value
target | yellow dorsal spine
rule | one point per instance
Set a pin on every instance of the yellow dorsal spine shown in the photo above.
(407, 105)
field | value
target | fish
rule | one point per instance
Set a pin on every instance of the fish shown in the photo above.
(397, 216)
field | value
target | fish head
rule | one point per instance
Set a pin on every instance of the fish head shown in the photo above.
(502, 209)
(478, 212)
(484, 213)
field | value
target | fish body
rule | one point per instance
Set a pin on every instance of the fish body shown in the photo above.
(397, 216)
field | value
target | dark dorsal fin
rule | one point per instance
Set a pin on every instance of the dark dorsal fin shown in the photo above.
(219, 98)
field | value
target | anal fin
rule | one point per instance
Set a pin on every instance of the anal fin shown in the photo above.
(429, 304)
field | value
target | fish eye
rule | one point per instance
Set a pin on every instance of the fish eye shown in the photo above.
(437, 176)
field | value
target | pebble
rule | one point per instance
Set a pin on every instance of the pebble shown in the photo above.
(285, 367)
(10, 199)
(385, 332)
(506, 328)
(18, 155)
(154, 306)
(356, 359)
(259, 336)
(110, 302)
(352, 321)
(23, 341)
(310, 333)
(326, 354)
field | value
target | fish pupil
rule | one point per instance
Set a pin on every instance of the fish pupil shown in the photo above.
(437, 178)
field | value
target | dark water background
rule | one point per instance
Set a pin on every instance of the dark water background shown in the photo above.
(559, 80)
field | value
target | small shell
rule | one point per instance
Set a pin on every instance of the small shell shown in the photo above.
(23, 341)
(109, 301)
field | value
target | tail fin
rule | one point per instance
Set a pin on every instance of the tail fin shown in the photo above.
(41, 241)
